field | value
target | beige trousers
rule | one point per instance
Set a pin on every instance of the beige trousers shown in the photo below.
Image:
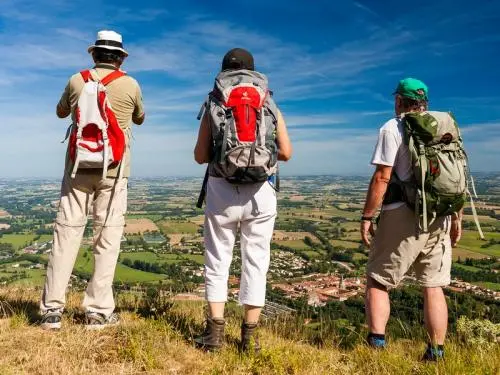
(107, 200)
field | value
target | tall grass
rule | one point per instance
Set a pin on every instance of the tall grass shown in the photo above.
(155, 337)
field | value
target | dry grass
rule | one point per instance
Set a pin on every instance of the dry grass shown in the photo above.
(139, 226)
(163, 346)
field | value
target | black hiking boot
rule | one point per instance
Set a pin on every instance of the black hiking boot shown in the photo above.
(213, 335)
(249, 338)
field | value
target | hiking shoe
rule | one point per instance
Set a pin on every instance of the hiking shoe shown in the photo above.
(249, 337)
(433, 353)
(97, 321)
(376, 341)
(51, 320)
(213, 335)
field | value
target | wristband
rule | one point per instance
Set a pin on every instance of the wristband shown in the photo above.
(366, 218)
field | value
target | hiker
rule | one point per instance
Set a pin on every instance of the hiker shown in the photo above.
(102, 102)
(242, 135)
(419, 154)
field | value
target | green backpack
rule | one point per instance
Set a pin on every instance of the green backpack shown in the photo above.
(441, 176)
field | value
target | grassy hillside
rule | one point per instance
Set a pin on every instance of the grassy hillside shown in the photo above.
(161, 344)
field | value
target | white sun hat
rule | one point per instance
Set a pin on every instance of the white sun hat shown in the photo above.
(110, 40)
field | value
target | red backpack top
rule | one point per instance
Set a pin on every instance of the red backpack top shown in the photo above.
(96, 140)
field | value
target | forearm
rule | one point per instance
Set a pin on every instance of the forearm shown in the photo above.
(375, 195)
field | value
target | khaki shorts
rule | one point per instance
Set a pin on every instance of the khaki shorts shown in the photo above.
(396, 248)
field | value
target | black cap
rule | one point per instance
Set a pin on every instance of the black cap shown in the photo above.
(238, 58)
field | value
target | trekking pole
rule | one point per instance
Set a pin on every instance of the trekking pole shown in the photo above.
(203, 192)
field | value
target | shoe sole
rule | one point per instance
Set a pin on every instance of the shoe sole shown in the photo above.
(51, 326)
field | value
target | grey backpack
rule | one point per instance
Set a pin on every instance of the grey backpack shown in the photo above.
(243, 121)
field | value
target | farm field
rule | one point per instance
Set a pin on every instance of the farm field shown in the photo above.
(21, 240)
(139, 225)
(174, 226)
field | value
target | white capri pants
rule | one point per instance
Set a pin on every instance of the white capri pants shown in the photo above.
(253, 207)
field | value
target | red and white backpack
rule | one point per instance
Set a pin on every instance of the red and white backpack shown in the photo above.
(243, 121)
(96, 140)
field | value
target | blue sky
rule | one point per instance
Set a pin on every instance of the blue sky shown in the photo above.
(332, 65)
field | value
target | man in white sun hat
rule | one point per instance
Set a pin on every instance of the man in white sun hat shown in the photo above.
(99, 189)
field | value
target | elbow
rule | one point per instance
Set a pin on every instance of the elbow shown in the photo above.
(139, 120)
(200, 159)
(285, 157)
(285, 154)
(61, 113)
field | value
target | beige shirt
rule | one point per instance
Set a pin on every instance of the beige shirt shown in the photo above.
(125, 97)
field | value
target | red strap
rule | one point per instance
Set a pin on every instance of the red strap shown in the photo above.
(86, 75)
(112, 76)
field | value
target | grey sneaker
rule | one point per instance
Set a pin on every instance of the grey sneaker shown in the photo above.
(97, 321)
(51, 320)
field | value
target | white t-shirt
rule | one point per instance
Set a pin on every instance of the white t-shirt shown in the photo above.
(392, 151)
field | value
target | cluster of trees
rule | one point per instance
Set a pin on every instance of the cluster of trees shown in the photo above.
(174, 271)
(487, 270)
(345, 321)
(490, 243)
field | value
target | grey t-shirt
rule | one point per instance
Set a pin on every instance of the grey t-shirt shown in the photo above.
(391, 151)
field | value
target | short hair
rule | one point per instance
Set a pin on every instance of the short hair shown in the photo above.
(104, 55)
(409, 104)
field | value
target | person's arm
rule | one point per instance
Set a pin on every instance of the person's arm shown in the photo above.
(374, 197)
(283, 140)
(456, 228)
(63, 108)
(202, 149)
(139, 115)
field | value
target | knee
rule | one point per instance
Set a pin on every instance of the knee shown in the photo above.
(431, 292)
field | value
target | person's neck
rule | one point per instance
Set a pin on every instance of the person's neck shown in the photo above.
(107, 65)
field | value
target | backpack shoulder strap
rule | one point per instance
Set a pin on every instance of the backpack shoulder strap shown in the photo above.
(86, 75)
(112, 76)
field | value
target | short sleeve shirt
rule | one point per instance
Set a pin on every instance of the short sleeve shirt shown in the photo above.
(125, 97)
(391, 151)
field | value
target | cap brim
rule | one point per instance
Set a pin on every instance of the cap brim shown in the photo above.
(91, 48)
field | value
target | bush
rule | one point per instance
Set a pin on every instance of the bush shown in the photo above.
(478, 332)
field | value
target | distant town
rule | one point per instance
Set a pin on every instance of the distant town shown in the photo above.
(317, 255)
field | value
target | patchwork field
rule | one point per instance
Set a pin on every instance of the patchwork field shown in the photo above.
(142, 225)
(20, 241)
(175, 226)
(345, 244)
(281, 235)
(294, 244)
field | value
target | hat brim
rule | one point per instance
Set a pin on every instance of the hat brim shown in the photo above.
(91, 48)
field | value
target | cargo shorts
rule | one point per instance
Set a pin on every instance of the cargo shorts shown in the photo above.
(399, 247)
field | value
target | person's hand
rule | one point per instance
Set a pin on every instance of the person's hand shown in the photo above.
(367, 230)
(455, 230)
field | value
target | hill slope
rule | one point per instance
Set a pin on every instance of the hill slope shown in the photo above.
(163, 346)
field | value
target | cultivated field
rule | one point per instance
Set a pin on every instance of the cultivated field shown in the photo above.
(141, 225)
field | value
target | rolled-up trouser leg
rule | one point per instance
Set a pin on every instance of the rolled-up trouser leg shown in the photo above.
(76, 195)
(110, 206)
(222, 214)
(257, 228)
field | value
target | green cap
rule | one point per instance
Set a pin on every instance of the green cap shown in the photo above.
(412, 88)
